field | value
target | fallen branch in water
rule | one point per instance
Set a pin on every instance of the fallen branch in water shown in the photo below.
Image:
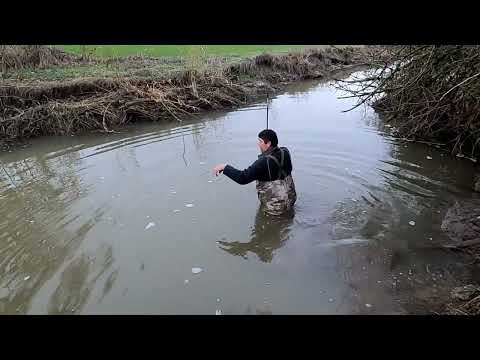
(431, 143)
(464, 244)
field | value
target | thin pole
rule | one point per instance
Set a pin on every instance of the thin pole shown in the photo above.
(267, 110)
(183, 155)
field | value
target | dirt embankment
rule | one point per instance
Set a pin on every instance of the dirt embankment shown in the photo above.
(453, 288)
(462, 225)
(69, 107)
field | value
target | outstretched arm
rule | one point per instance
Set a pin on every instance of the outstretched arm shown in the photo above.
(240, 177)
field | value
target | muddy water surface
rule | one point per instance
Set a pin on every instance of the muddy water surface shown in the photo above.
(115, 224)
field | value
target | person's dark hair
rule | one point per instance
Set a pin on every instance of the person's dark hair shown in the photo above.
(269, 135)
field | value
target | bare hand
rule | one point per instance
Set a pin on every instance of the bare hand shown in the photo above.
(219, 169)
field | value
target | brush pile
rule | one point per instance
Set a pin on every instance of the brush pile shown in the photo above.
(427, 92)
(466, 301)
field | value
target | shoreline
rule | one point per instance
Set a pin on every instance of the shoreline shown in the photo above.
(42, 108)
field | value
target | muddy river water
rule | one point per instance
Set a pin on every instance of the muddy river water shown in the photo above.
(119, 223)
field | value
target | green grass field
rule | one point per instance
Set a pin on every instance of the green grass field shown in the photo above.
(189, 53)
(179, 50)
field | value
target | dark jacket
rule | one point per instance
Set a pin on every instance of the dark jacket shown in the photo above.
(263, 169)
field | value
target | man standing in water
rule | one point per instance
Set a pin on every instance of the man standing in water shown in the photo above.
(273, 173)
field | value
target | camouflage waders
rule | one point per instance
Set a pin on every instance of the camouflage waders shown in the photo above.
(277, 196)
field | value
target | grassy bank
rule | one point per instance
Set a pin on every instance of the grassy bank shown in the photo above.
(135, 89)
(153, 61)
(109, 51)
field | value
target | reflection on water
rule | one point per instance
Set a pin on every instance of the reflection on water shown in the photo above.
(74, 215)
(268, 234)
(37, 231)
(78, 280)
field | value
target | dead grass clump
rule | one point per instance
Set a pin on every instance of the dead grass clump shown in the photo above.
(14, 57)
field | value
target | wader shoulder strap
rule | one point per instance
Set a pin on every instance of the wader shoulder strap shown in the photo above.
(281, 171)
(268, 167)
